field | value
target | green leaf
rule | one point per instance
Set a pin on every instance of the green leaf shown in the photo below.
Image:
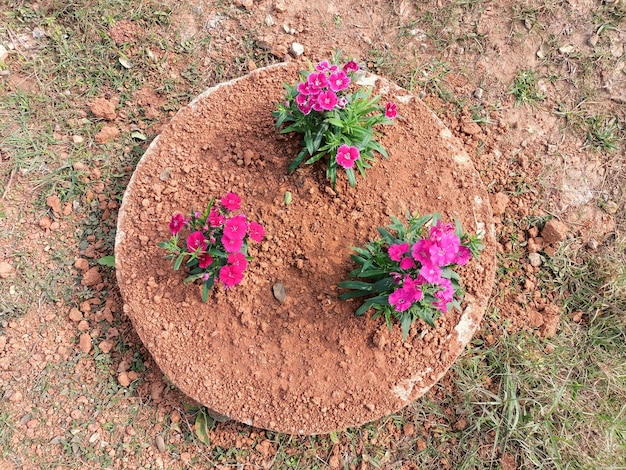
(107, 261)
(179, 261)
(333, 437)
(296, 161)
(379, 300)
(206, 288)
(386, 235)
(426, 314)
(405, 322)
(202, 425)
(351, 178)
(335, 122)
(355, 285)
(382, 285)
(314, 158)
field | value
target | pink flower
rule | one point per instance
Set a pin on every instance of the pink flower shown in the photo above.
(346, 156)
(196, 241)
(236, 227)
(420, 251)
(318, 80)
(445, 295)
(205, 260)
(237, 262)
(351, 66)
(401, 299)
(231, 202)
(430, 273)
(256, 231)
(463, 255)
(407, 263)
(391, 110)
(229, 276)
(322, 66)
(232, 245)
(326, 100)
(444, 251)
(439, 230)
(177, 223)
(342, 103)
(397, 251)
(305, 88)
(338, 81)
(215, 218)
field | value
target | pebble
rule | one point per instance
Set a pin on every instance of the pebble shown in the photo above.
(535, 259)
(296, 49)
(16, 397)
(160, 443)
(4, 54)
(84, 343)
(279, 292)
(478, 93)
(123, 379)
(269, 20)
(5, 270)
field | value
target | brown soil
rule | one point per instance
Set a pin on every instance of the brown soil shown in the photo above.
(309, 365)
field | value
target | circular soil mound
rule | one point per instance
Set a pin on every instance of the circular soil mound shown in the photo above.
(309, 365)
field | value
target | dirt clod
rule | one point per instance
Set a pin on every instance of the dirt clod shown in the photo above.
(103, 108)
(106, 134)
(84, 343)
(54, 203)
(6, 270)
(91, 277)
(554, 231)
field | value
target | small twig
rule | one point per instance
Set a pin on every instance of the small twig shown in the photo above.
(8, 186)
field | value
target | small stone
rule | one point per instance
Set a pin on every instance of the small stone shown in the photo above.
(499, 203)
(54, 203)
(92, 277)
(16, 397)
(247, 4)
(554, 231)
(6, 270)
(78, 139)
(280, 6)
(76, 315)
(83, 325)
(478, 93)
(106, 134)
(279, 292)
(106, 346)
(535, 259)
(471, 128)
(265, 42)
(334, 462)
(296, 49)
(45, 222)
(593, 40)
(160, 443)
(421, 445)
(269, 20)
(4, 54)
(175, 416)
(67, 209)
(592, 244)
(567, 49)
(103, 108)
(82, 264)
(84, 343)
(611, 207)
(123, 379)
(408, 429)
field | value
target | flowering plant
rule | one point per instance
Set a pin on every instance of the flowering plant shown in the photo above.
(216, 245)
(333, 121)
(411, 275)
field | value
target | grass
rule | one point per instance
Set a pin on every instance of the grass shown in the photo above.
(544, 403)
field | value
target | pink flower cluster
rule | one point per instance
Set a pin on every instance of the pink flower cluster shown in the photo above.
(422, 263)
(319, 92)
(230, 230)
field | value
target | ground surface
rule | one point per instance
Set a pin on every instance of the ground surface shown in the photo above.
(535, 90)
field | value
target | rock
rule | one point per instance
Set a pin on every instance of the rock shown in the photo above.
(265, 42)
(279, 292)
(16, 397)
(106, 134)
(78, 139)
(280, 6)
(45, 222)
(567, 49)
(554, 231)
(552, 319)
(535, 259)
(103, 108)
(408, 429)
(82, 264)
(269, 20)
(499, 203)
(470, 128)
(160, 443)
(4, 54)
(83, 325)
(478, 93)
(76, 315)
(54, 203)
(92, 277)
(84, 343)
(106, 346)
(296, 49)
(123, 379)
(6, 270)
(611, 207)
(247, 4)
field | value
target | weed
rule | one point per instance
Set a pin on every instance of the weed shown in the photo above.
(524, 88)
(603, 133)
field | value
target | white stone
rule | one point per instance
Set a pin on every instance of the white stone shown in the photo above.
(296, 49)
(4, 54)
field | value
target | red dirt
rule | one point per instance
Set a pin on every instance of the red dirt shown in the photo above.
(308, 365)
